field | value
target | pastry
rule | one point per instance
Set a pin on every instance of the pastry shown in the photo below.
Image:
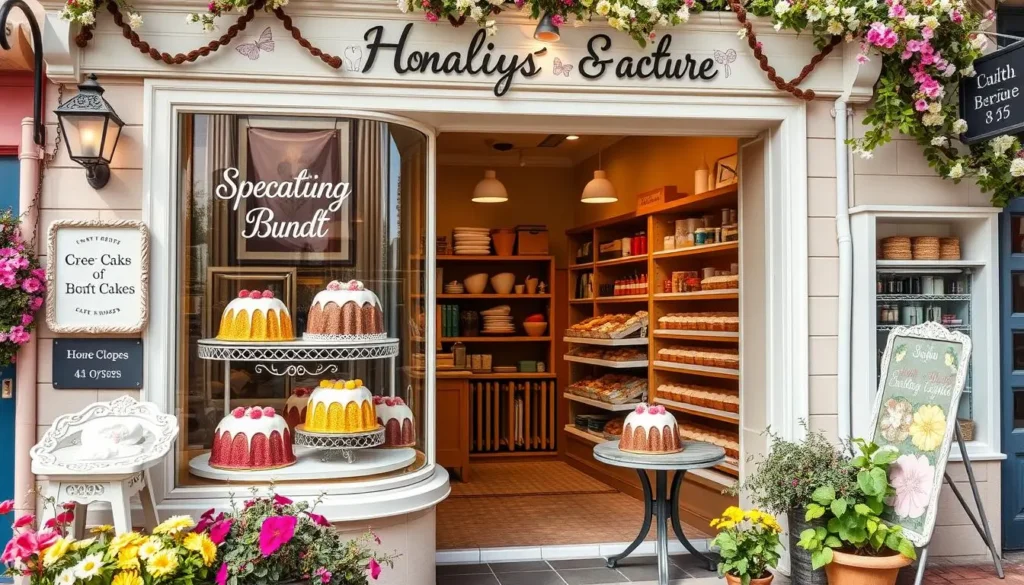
(295, 407)
(255, 316)
(250, 439)
(650, 429)
(340, 406)
(344, 311)
(396, 418)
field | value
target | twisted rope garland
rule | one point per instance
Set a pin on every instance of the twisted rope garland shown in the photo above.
(85, 35)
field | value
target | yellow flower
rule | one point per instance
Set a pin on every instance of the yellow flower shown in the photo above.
(163, 563)
(174, 525)
(127, 578)
(128, 558)
(81, 544)
(201, 544)
(56, 551)
(122, 540)
(754, 516)
(733, 513)
(149, 548)
(102, 529)
(928, 428)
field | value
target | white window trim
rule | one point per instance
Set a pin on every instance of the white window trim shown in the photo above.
(652, 112)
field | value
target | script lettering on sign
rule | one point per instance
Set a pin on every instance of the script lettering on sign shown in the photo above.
(97, 276)
(992, 102)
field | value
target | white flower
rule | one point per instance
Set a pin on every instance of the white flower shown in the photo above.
(648, 4)
(983, 172)
(940, 141)
(89, 567)
(683, 14)
(603, 8)
(870, 4)
(576, 23)
(944, 6)
(1017, 167)
(930, 22)
(491, 27)
(867, 154)
(782, 7)
(979, 42)
(742, 33)
(835, 28)
(66, 577)
(935, 107)
(777, 26)
(956, 171)
(813, 14)
(624, 11)
(912, 21)
(968, 71)
(832, 10)
(403, 6)
(849, 12)
(87, 18)
(853, 25)
(930, 119)
(134, 20)
(613, 22)
(460, 5)
(1000, 144)
(663, 20)
(193, 18)
(960, 126)
(476, 13)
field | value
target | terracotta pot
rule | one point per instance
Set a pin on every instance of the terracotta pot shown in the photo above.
(504, 241)
(734, 580)
(848, 569)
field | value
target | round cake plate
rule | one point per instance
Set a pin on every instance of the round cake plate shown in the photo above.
(339, 445)
(311, 467)
(297, 350)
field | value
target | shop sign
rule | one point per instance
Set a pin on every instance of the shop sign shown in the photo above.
(104, 364)
(992, 102)
(97, 276)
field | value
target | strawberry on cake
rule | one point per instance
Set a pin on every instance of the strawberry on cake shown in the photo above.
(250, 439)
(397, 420)
(650, 429)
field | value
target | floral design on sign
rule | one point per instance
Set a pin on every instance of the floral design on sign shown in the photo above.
(725, 58)
(897, 416)
(911, 477)
(929, 427)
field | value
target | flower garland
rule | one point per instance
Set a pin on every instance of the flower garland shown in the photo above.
(22, 289)
(927, 48)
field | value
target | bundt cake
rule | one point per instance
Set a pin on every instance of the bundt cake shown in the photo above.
(650, 429)
(340, 406)
(252, 438)
(345, 310)
(396, 418)
(255, 316)
(295, 407)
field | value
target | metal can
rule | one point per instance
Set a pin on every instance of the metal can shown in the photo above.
(700, 237)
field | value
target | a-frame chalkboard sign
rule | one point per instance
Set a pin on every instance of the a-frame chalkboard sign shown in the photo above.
(923, 372)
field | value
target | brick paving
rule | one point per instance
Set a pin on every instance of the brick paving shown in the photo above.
(944, 572)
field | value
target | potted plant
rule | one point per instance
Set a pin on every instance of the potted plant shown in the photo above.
(784, 481)
(855, 546)
(748, 543)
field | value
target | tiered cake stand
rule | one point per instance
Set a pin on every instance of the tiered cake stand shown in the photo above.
(320, 456)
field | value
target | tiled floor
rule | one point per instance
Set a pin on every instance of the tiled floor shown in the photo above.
(571, 572)
(942, 572)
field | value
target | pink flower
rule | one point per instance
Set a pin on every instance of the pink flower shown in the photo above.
(6, 507)
(24, 521)
(921, 105)
(11, 554)
(927, 33)
(26, 319)
(374, 568)
(324, 574)
(222, 574)
(30, 285)
(431, 17)
(557, 20)
(881, 36)
(27, 543)
(862, 58)
(19, 335)
(35, 303)
(208, 514)
(46, 539)
(65, 517)
(318, 519)
(219, 531)
(202, 525)
(897, 11)
(955, 16)
(278, 498)
(911, 476)
(39, 273)
(275, 533)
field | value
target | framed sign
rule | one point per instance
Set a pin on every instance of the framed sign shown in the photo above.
(992, 102)
(97, 277)
(97, 363)
(923, 372)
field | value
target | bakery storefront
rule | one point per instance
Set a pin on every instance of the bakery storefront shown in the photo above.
(498, 244)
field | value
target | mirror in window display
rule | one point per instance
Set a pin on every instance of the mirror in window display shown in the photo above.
(302, 298)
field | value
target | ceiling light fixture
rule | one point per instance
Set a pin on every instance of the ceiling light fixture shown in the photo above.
(490, 189)
(572, 137)
(546, 30)
(599, 189)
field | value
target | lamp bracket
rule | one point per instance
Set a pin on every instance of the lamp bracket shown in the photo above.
(97, 175)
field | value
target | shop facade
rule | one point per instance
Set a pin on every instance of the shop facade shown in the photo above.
(182, 132)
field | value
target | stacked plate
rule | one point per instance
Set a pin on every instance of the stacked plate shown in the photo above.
(472, 241)
(498, 321)
(454, 288)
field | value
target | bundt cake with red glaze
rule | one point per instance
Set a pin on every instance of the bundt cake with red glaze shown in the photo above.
(650, 429)
(295, 407)
(345, 310)
(250, 439)
(396, 418)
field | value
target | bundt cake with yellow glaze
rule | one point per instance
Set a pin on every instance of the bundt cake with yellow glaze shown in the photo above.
(256, 316)
(340, 406)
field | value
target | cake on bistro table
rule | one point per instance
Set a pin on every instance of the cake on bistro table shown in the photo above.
(396, 418)
(345, 310)
(340, 407)
(650, 429)
(255, 316)
(295, 407)
(251, 439)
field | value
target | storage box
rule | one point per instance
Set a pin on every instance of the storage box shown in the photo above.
(532, 240)
(528, 366)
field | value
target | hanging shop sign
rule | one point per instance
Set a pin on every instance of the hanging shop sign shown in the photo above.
(923, 371)
(992, 102)
(104, 364)
(97, 277)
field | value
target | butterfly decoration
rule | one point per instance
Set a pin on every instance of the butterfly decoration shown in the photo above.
(252, 50)
(562, 68)
(724, 58)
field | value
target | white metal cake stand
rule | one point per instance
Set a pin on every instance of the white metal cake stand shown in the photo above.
(310, 466)
(339, 445)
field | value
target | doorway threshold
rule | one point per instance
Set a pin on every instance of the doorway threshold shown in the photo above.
(472, 556)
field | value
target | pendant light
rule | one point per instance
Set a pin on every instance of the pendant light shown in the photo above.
(546, 30)
(599, 189)
(490, 189)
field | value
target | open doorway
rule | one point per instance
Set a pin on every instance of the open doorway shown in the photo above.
(538, 402)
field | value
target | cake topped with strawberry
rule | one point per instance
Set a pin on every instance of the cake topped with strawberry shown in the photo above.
(397, 420)
(650, 429)
(345, 310)
(256, 316)
(251, 438)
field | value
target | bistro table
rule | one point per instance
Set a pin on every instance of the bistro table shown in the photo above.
(664, 505)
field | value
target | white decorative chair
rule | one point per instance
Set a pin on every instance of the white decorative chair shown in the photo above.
(103, 454)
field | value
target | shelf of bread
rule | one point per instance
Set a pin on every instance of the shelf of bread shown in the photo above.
(610, 358)
(700, 295)
(728, 440)
(628, 341)
(619, 364)
(626, 407)
(711, 324)
(702, 411)
(609, 327)
(706, 249)
(572, 430)
(929, 263)
(710, 371)
(610, 389)
(683, 334)
(717, 357)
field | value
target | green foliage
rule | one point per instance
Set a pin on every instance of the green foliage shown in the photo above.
(852, 520)
(748, 543)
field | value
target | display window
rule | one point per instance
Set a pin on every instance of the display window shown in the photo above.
(301, 328)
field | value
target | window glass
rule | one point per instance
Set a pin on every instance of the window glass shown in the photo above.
(304, 234)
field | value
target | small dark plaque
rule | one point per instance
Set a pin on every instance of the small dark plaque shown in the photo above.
(104, 364)
(992, 102)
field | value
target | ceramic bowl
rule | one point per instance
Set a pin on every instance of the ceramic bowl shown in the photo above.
(535, 329)
(476, 284)
(503, 283)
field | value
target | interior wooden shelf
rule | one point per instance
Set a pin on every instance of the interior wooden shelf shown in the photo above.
(621, 261)
(724, 373)
(496, 339)
(619, 364)
(696, 335)
(488, 258)
(627, 341)
(702, 295)
(492, 296)
(598, 404)
(712, 199)
(587, 266)
(572, 430)
(704, 250)
(514, 376)
(622, 299)
(701, 411)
